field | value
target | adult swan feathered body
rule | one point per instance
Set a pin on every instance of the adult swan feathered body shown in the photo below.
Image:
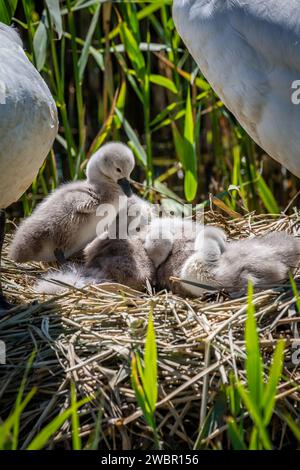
(249, 51)
(28, 123)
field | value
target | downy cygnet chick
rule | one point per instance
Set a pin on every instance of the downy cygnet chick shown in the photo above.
(133, 218)
(263, 260)
(124, 261)
(66, 221)
(208, 248)
(162, 233)
(120, 260)
(209, 243)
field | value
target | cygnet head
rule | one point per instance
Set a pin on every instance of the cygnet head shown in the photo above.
(158, 246)
(114, 161)
(210, 243)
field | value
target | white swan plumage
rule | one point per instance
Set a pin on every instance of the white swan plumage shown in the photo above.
(249, 51)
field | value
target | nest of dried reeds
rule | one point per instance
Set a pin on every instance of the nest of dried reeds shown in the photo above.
(88, 335)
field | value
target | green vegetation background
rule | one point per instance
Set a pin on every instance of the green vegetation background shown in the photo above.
(118, 70)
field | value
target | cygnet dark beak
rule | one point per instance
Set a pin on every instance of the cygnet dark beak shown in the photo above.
(125, 185)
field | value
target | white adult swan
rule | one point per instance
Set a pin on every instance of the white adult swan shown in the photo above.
(249, 51)
(28, 124)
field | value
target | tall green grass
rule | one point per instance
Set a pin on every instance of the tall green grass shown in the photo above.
(10, 434)
(257, 396)
(118, 70)
(144, 379)
(248, 404)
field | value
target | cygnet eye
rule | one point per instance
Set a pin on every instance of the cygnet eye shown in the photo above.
(119, 170)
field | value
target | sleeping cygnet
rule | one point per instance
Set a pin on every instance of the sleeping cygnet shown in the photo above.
(66, 221)
(124, 261)
(192, 258)
(121, 260)
(264, 260)
(162, 233)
